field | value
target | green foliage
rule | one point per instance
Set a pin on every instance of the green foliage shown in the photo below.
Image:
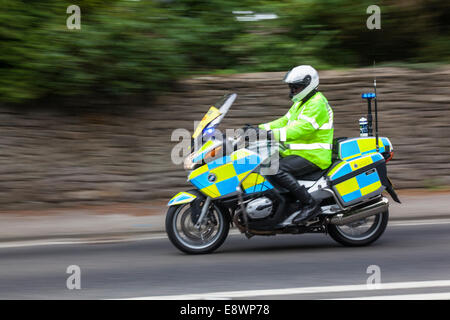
(128, 47)
(121, 48)
(333, 33)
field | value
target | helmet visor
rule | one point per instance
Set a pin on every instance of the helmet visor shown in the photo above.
(295, 88)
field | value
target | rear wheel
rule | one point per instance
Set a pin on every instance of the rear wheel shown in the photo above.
(188, 238)
(362, 232)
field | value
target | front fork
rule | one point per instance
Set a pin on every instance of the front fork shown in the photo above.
(203, 213)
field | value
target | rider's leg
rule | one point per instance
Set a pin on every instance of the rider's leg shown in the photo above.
(297, 165)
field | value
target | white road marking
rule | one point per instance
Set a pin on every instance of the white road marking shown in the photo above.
(420, 296)
(159, 236)
(409, 223)
(32, 243)
(297, 291)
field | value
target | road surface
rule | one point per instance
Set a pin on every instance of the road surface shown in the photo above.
(413, 259)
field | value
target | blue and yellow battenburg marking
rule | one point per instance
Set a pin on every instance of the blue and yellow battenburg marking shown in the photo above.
(360, 185)
(222, 176)
(358, 147)
(212, 113)
(255, 183)
(181, 197)
(200, 154)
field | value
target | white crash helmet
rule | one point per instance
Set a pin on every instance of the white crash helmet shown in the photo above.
(305, 77)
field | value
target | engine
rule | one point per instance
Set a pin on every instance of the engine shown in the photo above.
(259, 208)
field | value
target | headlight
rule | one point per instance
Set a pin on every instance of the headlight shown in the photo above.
(188, 162)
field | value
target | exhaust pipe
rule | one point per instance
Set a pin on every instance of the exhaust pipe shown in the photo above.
(361, 213)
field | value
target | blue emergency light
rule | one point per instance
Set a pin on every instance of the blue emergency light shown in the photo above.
(369, 95)
(209, 130)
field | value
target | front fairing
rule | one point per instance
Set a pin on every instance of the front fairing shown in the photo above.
(197, 157)
(222, 177)
(215, 171)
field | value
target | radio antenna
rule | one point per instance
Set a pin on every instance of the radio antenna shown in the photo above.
(376, 107)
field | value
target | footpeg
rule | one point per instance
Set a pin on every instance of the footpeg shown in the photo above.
(308, 223)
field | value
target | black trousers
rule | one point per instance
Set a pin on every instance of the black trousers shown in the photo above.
(289, 167)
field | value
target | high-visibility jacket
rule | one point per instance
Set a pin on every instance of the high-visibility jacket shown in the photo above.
(306, 130)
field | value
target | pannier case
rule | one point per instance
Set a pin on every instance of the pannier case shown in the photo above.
(360, 171)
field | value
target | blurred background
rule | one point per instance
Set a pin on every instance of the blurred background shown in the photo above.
(86, 115)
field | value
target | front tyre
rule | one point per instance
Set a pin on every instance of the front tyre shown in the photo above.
(362, 232)
(189, 239)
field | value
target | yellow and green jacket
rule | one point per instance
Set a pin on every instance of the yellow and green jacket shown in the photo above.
(306, 130)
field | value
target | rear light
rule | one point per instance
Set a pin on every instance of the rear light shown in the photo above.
(390, 156)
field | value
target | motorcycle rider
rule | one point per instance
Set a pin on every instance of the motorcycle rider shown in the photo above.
(306, 131)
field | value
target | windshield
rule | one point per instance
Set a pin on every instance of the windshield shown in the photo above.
(215, 114)
(223, 105)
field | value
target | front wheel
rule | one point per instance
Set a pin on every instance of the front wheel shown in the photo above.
(362, 232)
(188, 238)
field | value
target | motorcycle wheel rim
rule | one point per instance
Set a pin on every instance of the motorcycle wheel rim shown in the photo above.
(187, 234)
(362, 229)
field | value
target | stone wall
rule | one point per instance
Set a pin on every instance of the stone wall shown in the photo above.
(52, 157)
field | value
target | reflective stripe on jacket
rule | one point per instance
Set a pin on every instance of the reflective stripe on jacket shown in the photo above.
(306, 130)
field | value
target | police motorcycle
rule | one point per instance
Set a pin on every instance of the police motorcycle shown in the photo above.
(231, 188)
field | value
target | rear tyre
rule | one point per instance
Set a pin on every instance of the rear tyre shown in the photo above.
(350, 236)
(186, 237)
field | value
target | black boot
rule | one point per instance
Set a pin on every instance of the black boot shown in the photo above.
(311, 208)
(308, 206)
(309, 211)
